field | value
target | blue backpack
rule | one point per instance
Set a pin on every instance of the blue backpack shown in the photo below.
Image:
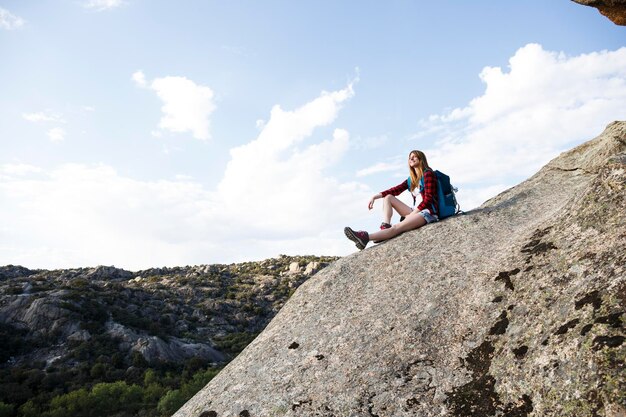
(446, 198)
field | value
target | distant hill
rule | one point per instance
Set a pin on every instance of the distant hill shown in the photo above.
(514, 309)
(151, 338)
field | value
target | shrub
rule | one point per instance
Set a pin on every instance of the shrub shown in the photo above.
(29, 409)
(12, 341)
(116, 396)
(152, 393)
(6, 410)
(76, 403)
(234, 343)
(106, 398)
(170, 402)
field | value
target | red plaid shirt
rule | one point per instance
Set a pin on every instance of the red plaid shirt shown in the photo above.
(429, 193)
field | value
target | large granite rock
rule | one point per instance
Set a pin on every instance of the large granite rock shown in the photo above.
(155, 349)
(615, 10)
(514, 309)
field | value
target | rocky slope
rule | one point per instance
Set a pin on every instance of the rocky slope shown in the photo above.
(166, 314)
(514, 309)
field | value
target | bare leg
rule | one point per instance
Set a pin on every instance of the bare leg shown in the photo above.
(390, 202)
(412, 221)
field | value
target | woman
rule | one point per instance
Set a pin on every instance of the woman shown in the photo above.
(425, 212)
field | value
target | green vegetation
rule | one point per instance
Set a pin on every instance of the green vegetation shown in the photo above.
(151, 392)
(234, 343)
(12, 341)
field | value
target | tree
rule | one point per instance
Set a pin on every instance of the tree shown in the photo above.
(171, 402)
(29, 409)
(76, 403)
(6, 410)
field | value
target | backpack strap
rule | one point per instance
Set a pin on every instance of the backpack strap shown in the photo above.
(422, 180)
(432, 206)
(408, 180)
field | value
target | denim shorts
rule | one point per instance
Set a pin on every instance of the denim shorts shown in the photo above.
(430, 218)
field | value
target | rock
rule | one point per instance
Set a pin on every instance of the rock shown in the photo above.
(79, 336)
(294, 268)
(514, 309)
(311, 268)
(615, 10)
(264, 280)
(14, 271)
(45, 316)
(154, 349)
(109, 273)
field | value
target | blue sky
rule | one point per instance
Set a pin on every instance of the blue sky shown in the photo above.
(143, 133)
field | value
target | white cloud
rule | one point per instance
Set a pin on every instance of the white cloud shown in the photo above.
(9, 21)
(19, 169)
(280, 187)
(102, 5)
(56, 134)
(45, 116)
(187, 106)
(276, 196)
(544, 104)
(139, 78)
(377, 168)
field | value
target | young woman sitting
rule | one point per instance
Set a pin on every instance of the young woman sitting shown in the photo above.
(424, 213)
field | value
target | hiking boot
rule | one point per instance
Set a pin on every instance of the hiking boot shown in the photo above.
(360, 238)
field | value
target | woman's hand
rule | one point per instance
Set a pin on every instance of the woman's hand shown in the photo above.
(371, 203)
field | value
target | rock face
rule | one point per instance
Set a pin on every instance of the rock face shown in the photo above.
(615, 10)
(515, 309)
(154, 348)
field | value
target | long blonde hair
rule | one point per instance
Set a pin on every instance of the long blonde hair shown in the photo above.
(417, 173)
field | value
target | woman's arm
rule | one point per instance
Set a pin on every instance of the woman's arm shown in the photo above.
(397, 190)
(374, 198)
(394, 191)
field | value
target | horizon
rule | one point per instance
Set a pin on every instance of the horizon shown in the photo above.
(150, 134)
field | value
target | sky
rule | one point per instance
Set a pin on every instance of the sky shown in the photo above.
(149, 133)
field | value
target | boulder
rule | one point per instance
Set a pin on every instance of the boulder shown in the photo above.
(311, 268)
(514, 309)
(154, 349)
(14, 271)
(294, 268)
(109, 273)
(615, 10)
